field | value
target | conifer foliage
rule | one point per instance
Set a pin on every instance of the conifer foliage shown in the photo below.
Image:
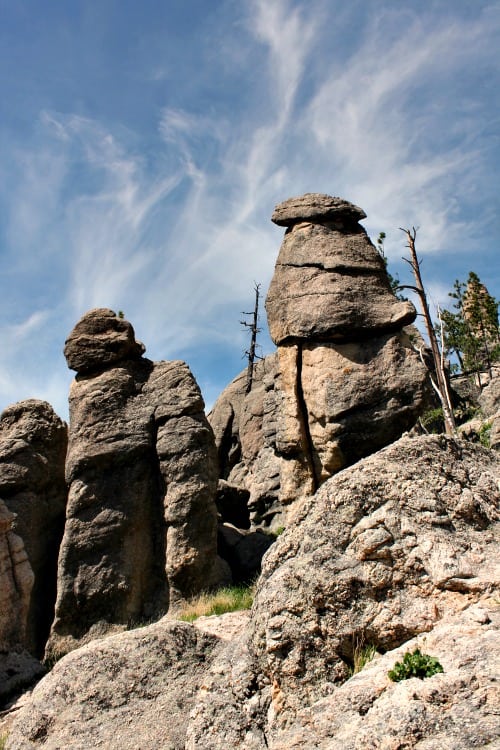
(471, 330)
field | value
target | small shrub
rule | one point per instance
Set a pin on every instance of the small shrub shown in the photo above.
(228, 599)
(484, 433)
(433, 420)
(415, 664)
(3, 741)
(275, 533)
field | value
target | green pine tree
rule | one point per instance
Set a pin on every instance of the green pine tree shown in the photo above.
(471, 330)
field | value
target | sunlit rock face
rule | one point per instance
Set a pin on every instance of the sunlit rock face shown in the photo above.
(345, 380)
(140, 532)
(329, 282)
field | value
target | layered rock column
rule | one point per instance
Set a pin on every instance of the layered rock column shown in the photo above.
(33, 442)
(349, 379)
(141, 520)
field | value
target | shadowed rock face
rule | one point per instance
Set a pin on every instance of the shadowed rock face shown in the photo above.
(16, 583)
(345, 380)
(141, 467)
(33, 444)
(17, 667)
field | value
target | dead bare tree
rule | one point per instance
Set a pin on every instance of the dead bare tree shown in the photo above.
(440, 385)
(254, 330)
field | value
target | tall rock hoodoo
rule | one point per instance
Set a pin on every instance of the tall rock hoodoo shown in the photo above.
(33, 443)
(141, 468)
(345, 380)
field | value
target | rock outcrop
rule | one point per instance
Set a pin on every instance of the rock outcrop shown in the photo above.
(398, 551)
(16, 583)
(32, 454)
(18, 668)
(245, 427)
(489, 401)
(140, 532)
(129, 690)
(345, 380)
(401, 543)
(330, 283)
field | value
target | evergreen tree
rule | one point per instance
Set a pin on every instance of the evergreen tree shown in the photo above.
(471, 331)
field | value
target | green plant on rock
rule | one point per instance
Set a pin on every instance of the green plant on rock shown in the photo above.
(484, 433)
(3, 741)
(415, 664)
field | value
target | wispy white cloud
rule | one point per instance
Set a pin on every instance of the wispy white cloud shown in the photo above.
(384, 114)
(371, 102)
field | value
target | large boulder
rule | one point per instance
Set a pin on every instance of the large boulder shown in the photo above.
(140, 533)
(129, 690)
(33, 442)
(454, 710)
(403, 542)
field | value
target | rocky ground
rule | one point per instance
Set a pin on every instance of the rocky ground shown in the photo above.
(397, 551)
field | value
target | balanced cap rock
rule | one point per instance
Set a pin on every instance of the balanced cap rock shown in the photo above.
(330, 282)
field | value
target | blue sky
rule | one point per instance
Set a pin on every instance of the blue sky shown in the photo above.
(144, 145)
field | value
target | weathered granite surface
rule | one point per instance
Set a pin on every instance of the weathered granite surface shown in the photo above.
(346, 378)
(140, 533)
(402, 543)
(33, 442)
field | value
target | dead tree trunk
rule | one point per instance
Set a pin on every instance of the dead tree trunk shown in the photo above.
(441, 386)
(254, 330)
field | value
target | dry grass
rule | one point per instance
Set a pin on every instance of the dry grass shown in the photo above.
(229, 599)
(362, 654)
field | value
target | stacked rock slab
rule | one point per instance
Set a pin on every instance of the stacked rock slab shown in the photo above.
(345, 380)
(141, 467)
(33, 442)
(349, 379)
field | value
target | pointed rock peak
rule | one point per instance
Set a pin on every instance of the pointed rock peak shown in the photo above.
(316, 207)
(100, 339)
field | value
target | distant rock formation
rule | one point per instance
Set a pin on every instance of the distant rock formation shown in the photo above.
(141, 467)
(345, 380)
(245, 429)
(33, 442)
